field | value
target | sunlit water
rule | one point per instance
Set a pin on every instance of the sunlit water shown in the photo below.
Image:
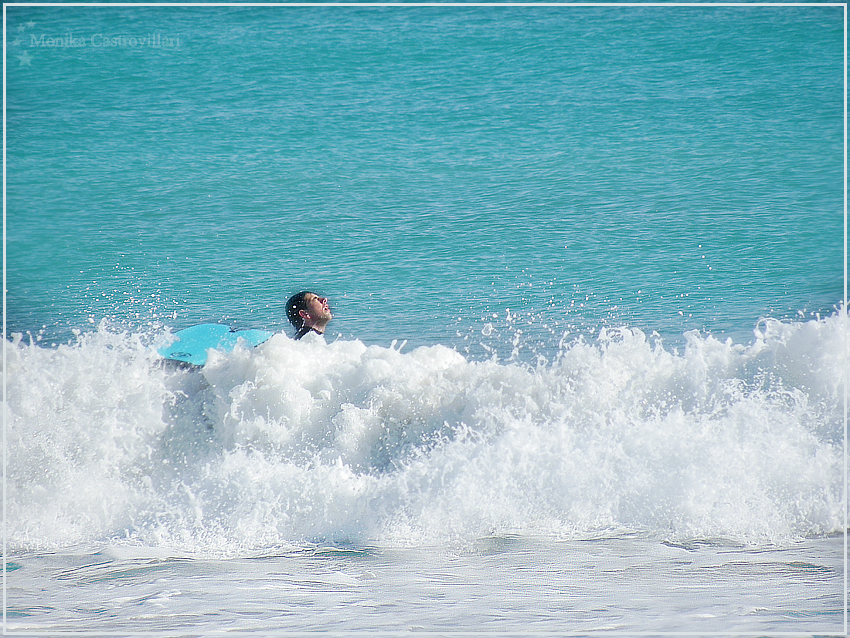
(586, 368)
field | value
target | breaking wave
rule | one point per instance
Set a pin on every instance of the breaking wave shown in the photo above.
(308, 441)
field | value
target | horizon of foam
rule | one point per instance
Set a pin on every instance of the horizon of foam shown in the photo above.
(298, 442)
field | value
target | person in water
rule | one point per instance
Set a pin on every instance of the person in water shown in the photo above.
(307, 312)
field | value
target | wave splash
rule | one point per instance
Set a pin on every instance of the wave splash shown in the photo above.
(303, 442)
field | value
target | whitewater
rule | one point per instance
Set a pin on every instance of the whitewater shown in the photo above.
(621, 486)
(316, 441)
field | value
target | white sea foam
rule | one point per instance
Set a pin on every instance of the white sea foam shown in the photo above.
(307, 441)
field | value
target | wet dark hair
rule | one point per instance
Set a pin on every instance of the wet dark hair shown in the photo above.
(295, 304)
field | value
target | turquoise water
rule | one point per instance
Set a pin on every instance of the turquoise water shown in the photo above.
(427, 168)
(585, 367)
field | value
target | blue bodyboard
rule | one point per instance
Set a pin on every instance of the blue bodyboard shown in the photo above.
(192, 344)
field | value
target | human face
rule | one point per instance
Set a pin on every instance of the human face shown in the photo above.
(318, 312)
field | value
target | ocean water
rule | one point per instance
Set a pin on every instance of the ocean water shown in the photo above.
(587, 367)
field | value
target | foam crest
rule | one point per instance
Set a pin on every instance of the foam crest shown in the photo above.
(297, 442)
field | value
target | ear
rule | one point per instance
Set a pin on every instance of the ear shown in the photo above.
(303, 314)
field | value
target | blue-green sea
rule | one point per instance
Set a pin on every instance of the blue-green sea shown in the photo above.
(586, 371)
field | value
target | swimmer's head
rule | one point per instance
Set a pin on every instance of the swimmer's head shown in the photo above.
(308, 309)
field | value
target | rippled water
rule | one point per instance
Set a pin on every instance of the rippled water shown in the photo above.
(585, 367)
